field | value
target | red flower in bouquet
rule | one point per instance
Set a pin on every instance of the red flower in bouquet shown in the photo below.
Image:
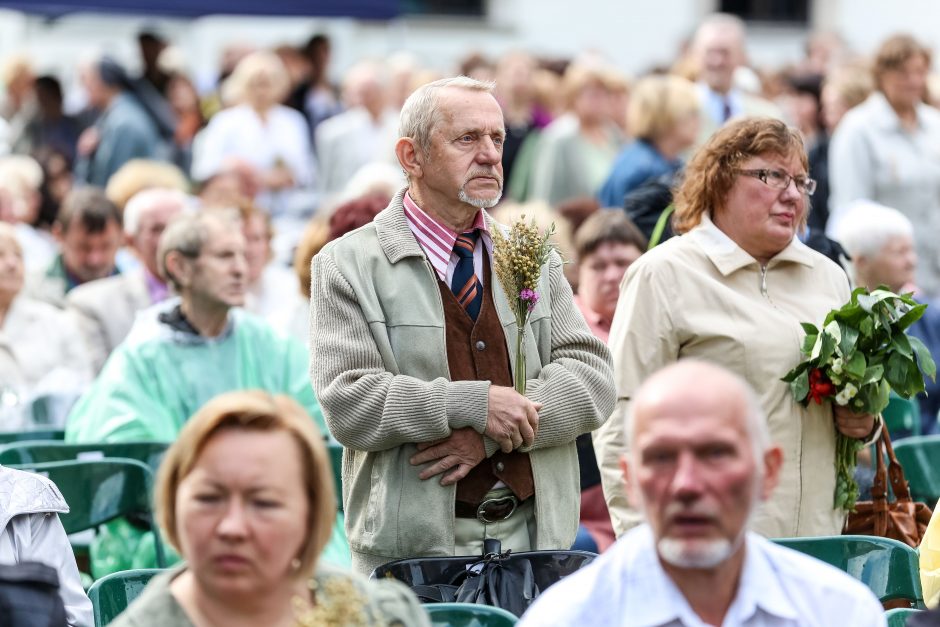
(820, 388)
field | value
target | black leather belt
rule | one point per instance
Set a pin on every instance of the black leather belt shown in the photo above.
(489, 511)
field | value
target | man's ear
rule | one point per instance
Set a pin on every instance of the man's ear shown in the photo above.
(628, 487)
(773, 461)
(410, 157)
(179, 267)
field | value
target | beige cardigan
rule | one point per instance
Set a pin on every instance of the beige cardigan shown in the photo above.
(702, 296)
(379, 368)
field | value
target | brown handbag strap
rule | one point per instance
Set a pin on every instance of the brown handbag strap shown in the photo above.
(879, 488)
(895, 471)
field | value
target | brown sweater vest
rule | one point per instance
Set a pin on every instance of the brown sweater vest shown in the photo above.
(476, 351)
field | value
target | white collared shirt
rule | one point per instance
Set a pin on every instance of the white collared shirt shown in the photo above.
(627, 587)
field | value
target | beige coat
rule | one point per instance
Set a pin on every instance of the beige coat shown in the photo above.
(105, 310)
(702, 296)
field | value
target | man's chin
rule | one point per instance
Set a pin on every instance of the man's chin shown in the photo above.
(480, 202)
(694, 553)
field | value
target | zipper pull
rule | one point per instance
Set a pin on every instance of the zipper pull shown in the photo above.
(763, 281)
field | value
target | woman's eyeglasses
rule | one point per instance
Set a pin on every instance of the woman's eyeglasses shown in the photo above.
(778, 179)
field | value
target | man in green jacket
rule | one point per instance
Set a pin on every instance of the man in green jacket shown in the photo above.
(412, 345)
(182, 352)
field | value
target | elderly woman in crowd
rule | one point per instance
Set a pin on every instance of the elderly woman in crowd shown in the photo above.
(272, 138)
(664, 117)
(41, 350)
(245, 495)
(733, 289)
(576, 151)
(886, 150)
(880, 241)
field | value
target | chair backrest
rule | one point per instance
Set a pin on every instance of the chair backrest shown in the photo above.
(898, 617)
(111, 594)
(891, 569)
(44, 451)
(102, 490)
(920, 458)
(902, 417)
(20, 436)
(336, 462)
(468, 615)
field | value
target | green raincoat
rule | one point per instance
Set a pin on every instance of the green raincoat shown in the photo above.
(158, 377)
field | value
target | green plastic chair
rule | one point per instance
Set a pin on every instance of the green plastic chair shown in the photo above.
(336, 461)
(891, 569)
(920, 458)
(898, 617)
(44, 451)
(468, 615)
(111, 594)
(902, 417)
(103, 490)
(21, 436)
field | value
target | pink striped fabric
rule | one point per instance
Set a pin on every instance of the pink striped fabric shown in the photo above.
(437, 240)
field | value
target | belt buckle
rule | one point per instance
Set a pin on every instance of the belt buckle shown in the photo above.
(481, 509)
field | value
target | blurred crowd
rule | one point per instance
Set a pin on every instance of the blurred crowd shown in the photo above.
(86, 194)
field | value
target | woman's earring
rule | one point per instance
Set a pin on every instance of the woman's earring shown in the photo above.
(295, 563)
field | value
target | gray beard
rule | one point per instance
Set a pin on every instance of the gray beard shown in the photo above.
(479, 203)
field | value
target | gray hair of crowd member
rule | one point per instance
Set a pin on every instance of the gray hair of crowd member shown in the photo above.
(755, 419)
(867, 227)
(142, 202)
(188, 233)
(721, 21)
(89, 206)
(607, 226)
(420, 113)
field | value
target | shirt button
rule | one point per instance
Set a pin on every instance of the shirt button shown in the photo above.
(500, 466)
(481, 345)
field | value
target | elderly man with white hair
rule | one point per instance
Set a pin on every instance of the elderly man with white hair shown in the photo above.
(880, 241)
(105, 309)
(718, 52)
(700, 462)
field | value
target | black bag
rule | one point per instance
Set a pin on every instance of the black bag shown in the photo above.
(29, 596)
(496, 580)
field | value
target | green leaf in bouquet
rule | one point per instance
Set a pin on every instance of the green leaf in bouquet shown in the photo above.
(896, 371)
(866, 327)
(808, 343)
(924, 360)
(809, 328)
(915, 380)
(827, 347)
(795, 372)
(799, 386)
(881, 398)
(873, 374)
(912, 315)
(856, 366)
(901, 344)
(848, 341)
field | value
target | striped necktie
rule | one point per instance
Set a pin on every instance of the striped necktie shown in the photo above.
(465, 285)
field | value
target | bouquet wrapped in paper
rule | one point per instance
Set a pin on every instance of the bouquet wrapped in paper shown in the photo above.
(517, 260)
(855, 360)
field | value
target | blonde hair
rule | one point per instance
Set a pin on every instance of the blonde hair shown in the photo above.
(711, 173)
(315, 237)
(237, 86)
(139, 174)
(252, 410)
(894, 52)
(580, 75)
(658, 103)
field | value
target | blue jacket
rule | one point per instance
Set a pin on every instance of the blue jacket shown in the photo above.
(638, 163)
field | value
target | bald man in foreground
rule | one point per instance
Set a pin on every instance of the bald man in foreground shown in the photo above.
(700, 460)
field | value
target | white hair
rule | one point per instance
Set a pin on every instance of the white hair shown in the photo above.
(866, 227)
(420, 113)
(143, 201)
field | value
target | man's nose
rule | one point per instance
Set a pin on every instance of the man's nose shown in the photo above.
(489, 152)
(687, 480)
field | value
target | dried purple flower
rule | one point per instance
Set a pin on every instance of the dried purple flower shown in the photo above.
(529, 296)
